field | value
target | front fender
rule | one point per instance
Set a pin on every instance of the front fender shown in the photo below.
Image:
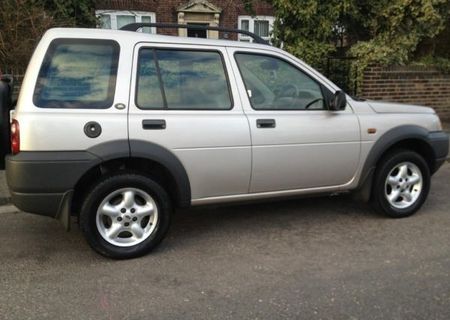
(436, 146)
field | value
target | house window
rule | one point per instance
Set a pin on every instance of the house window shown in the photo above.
(111, 19)
(259, 25)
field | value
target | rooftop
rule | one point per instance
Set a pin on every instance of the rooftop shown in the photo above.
(133, 36)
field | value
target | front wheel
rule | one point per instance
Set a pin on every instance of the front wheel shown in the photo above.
(125, 215)
(402, 183)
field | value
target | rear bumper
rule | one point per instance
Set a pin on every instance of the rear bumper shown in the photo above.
(46, 204)
(40, 182)
(439, 142)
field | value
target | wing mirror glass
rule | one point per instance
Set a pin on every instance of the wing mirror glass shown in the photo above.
(339, 101)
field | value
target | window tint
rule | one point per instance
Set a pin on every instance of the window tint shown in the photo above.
(273, 84)
(148, 87)
(78, 74)
(192, 80)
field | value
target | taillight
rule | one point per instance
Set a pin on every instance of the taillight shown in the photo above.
(15, 137)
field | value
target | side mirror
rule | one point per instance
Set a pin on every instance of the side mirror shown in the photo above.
(339, 101)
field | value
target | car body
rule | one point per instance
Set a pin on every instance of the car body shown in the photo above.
(201, 119)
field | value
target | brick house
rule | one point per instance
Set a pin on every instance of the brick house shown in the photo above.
(114, 14)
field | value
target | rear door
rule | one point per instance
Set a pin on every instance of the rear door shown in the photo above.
(72, 97)
(183, 99)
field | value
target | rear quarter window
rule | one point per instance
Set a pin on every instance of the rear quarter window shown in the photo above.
(78, 73)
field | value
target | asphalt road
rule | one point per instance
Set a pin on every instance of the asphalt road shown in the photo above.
(321, 258)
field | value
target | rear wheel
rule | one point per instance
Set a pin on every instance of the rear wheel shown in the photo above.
(125, 216)
(402, 183)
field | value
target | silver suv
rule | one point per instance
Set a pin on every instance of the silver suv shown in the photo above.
(120, 127)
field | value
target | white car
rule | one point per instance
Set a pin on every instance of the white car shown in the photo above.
(119, 127)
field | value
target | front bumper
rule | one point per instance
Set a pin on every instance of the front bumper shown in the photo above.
(41, 182)
(439, 142)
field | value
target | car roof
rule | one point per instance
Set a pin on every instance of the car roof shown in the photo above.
(146, 37)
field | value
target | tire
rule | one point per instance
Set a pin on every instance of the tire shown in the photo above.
(401, 184)
(125, 215)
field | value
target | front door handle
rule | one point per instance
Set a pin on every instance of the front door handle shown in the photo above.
(265, 123)
(154, 124)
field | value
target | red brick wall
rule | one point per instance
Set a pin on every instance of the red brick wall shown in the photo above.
(166, 10)
(414, 85)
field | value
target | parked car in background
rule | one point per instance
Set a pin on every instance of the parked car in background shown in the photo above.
(6, 104)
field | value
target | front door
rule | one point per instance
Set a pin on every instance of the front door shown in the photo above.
(296, 142)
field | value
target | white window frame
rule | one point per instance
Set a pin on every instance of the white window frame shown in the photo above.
(138, 14)
(251, 26)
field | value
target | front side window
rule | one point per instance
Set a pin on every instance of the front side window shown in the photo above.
(274, 84)
(182, 79)
(78, 74)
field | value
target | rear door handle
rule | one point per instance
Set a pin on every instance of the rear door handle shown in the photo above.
(265, 123)
(153, 124)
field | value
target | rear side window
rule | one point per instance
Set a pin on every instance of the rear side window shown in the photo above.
(78, 73)
(182, 80)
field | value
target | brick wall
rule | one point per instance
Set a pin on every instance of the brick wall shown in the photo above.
(414, 85)
(166, 11)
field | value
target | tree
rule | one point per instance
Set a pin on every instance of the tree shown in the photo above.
(308, 28)
(22, 23)
(384, 31)
(402, 31)
(71, 13)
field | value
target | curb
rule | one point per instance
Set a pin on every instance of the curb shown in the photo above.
(5, 209)
(5, 200)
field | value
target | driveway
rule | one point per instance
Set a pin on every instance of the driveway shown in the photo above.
(320, 258)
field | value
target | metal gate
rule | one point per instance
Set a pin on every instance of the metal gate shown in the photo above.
(340, 71)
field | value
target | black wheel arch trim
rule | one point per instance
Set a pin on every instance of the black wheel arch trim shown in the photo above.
(437, 141)
(111, 150)
(157, 153)
(149, 151)
(35, 175)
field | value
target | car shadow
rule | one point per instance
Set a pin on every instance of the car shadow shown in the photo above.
(270, 216)
(47, 239)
